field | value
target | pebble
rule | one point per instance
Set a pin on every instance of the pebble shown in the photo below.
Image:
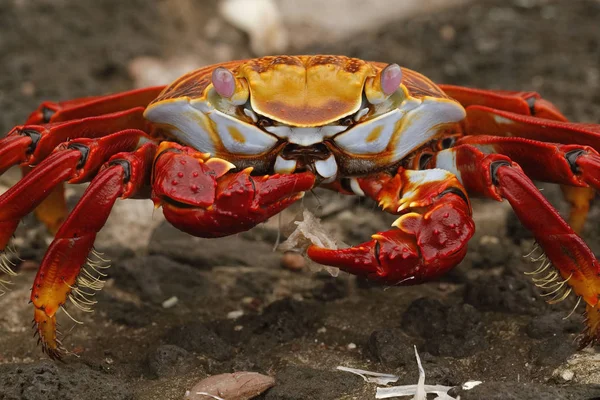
(293, 261)
(170, 302)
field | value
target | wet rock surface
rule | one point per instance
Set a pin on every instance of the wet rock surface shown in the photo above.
(236, 307)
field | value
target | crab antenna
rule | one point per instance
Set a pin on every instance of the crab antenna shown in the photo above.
(223, 81)
(391, 76)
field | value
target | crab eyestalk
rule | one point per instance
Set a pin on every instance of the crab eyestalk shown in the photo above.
(229, 87)
(384, 84)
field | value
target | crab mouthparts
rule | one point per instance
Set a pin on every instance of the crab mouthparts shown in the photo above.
(316, 158)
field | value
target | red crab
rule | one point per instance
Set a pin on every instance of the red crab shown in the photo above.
(227, 146)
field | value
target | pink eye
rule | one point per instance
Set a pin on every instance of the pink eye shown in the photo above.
(223, 81)
(391, 76)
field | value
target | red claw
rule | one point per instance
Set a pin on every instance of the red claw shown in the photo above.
(199, 197)
(424, 247)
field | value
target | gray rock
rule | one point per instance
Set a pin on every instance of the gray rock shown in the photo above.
(49, 381)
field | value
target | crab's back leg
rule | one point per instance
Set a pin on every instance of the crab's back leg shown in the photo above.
(429, 237)
(496, 176)
(60, 276)
(527, 115)
(575, 167)
(85, 107)
(54, 122)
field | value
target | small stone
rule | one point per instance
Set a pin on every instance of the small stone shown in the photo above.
(235, 314)
(170, 302)
(168, 360)
(351, 346)
(447, 33)
(567, 375)
(293, 261)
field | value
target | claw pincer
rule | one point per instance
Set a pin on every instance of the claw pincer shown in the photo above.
(199, 197)
(431, 236)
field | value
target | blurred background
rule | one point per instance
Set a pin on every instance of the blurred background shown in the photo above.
(298, 326)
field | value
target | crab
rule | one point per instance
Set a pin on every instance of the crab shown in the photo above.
(227, 146)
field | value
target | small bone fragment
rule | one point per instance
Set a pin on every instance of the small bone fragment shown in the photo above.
(235, 386)
(371, 377)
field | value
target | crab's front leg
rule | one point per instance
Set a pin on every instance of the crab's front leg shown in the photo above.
(203, 197)
(429, 237)
(60, 276)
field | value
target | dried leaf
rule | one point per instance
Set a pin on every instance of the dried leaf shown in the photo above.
(235, 386)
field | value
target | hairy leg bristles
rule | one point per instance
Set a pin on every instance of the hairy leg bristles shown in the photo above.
(6, 267)
(87, 284)
(551, 282)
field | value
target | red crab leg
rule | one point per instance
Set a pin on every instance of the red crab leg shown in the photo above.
(523, 103)
(569, 165)
(40, 140)
(76, 161)
(488, 121)
(432, 233)
(498, 177)
(60, 274)
(525, 114)
(200, 197)
(566, 164)
(92, 106)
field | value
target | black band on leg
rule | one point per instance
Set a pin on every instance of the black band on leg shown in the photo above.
(572, 157)
(494, 169)
(84, 150)
(126, 168)
(35, 138)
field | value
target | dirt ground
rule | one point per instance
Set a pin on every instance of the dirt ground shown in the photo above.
(483, 321)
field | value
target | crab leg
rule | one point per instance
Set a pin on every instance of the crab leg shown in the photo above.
(60, 274)
(575, 167)
(527, 115)
(92, 106)
(523, 103)
(32, 143)
(432, 231)
(498, 177)
(75, 161)
(201, 197)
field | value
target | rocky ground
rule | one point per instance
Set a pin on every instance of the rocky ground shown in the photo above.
(237, 309)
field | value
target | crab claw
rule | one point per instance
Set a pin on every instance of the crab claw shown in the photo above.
(203, 199)
(423, 247)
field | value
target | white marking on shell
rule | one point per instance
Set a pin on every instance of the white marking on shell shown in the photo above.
(356, 187)
(359, 140)
(327, 168)
(254, 140)
(305, 136)
(191, 123)
(446, 159)
(423, 122)
(283, 166)
(183, 121)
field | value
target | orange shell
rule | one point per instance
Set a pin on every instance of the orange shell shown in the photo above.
(300, 90)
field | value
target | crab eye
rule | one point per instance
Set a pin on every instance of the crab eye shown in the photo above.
(262, 122)
(347, 121)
